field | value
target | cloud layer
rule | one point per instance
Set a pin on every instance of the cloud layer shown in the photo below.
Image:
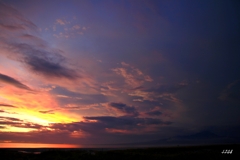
(117, 72)
(12, 81)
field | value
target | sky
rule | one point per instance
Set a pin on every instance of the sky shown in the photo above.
(108, 72)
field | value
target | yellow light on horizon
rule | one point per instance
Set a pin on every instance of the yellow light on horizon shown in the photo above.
(17, 129)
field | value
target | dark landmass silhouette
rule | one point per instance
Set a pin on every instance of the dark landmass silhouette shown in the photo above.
(155, 153)
(199, 138)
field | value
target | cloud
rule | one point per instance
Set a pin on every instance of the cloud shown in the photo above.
(26, 49)
(11, 27)
(35, 40)
(61, 21)
(2, 118)
(132, 76)
(29, 125)
(119, 122)
(153, 97)
(13, 82)
(66, 29)
(126, 122)
(163, 92)
(138, 100)
(76, 27)
(43, 62)
(15, 122)
(47, 112)
(77, 98)
(7, 105)
(21, 125)
(146, 96)
(11, 15)
(20, 42)
(49, 68)
(103, 124)
(129, 110)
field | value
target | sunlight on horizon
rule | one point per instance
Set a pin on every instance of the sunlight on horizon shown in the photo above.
(38, 145)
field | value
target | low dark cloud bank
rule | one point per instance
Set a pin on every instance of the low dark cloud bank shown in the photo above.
(131, 110)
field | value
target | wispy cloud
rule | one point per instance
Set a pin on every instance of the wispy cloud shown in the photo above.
(132, 76)
(50, 68)
(123, 108)
(67, 29)
(9, 80)
(2, 118)
(20, 42)
(7, 12)
(15, 122)
(166, 92)
(7, 105)
(61, 21)
(47, 112)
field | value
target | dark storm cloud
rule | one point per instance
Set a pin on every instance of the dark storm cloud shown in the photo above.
(12, 81)
(7, 105)
(124, 108)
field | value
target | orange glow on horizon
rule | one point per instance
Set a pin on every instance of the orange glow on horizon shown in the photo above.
(38, 145)
(31, 108)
